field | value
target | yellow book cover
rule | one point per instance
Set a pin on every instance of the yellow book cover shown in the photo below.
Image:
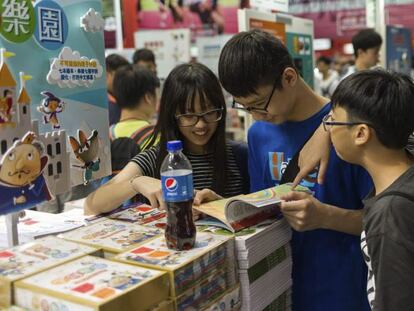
(185, 268)
(112, 235)
(244, 211)
(24, 260)
(91, 283)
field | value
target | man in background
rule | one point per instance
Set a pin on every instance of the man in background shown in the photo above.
(145, 58)
(113, 62)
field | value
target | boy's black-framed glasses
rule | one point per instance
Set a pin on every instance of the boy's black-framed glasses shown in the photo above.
(253, 109)
(191, 119)
(328, 122)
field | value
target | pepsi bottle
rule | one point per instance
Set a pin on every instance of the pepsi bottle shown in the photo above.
(177, 190)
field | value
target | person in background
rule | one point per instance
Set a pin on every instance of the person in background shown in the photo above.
(367, 44)
(364, 132)
(327, 78)
(135, 89)
(113, 62)
(145, 58)
(192, 110)
(328, 268)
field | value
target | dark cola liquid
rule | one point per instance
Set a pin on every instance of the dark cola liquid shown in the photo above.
(180, 233)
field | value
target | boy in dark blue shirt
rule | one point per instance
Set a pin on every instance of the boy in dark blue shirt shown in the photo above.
(328, 268)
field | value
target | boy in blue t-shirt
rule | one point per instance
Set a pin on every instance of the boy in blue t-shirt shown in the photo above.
(328, 268)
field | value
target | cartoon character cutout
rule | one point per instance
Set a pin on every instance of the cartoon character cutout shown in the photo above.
(51, 106)
(22, 184)
(86, 151)
(6, 103)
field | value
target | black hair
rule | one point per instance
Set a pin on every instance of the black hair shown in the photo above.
(383, 100)
(115, 61)
(251, 59)
(324, 59)
(366, 39)
(6, 91)
(184, 83)
(145, 55)
(131, 84)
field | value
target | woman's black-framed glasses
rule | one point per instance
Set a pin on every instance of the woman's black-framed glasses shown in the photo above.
(191, 119)
(253, 109)
(328, 122)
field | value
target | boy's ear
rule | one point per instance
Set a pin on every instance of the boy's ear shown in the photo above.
(362, 134)
(289, 77)
(148, 98)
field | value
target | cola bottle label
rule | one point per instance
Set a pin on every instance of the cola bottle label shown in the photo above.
(177, 188)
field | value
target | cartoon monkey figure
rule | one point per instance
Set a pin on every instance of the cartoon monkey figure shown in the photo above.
(50, 107)
(22, 184)
(86, 151)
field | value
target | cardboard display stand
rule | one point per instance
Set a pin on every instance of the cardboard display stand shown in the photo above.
(53, 102)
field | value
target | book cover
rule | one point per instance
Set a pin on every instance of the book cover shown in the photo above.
(185, 267)
(97, 283)
(22, 261)
(112, 235)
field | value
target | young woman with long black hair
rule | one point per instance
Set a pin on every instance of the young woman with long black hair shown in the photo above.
(192, 110)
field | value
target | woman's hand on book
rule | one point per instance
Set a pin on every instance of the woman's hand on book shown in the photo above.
(151, 189)
(205, 195)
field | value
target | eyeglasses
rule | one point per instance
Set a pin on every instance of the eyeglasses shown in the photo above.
(263, 110)
(328, 122)
(191, 119)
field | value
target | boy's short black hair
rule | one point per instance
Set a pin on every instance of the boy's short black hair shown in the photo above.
(115, 61)
(324, 59)
(145, 55)
(131, 84)
(384, 100)
(366, 39)
(251, 59)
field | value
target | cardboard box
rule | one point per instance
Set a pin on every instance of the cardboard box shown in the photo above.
(91, 283)
(112, 236)
(25, 260)
(185, 268)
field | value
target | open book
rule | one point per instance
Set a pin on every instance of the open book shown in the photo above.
(243, 211)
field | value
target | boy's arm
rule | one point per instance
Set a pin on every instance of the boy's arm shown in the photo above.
(315, 153)
(304, 212)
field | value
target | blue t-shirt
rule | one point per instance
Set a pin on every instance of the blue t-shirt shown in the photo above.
(328, 268)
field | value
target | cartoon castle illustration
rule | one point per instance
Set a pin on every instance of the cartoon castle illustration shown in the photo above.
(16, 121)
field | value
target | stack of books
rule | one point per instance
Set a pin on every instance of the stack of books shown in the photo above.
(22, 261)
(198, 277)
(265, 266)
(92, 283)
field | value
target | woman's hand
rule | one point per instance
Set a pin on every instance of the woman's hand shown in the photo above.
(205, 195)
(151, 189)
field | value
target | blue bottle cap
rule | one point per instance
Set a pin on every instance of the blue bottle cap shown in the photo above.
(174, 145)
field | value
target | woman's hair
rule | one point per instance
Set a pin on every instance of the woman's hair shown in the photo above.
(183, 85)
